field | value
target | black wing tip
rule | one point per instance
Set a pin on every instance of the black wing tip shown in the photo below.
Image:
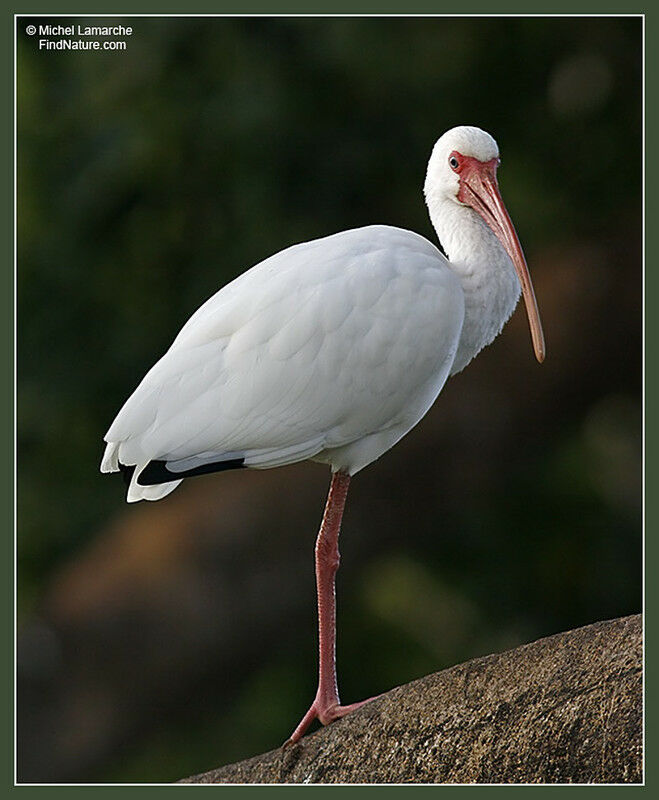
(127, 472)
(156, 472)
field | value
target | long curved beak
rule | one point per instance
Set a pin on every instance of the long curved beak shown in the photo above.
(480, 190)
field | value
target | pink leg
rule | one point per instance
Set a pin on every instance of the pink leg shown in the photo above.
(326, 706)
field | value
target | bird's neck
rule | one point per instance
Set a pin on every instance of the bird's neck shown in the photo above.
(490, 284)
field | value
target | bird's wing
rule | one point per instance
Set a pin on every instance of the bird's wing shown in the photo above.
(310, 349)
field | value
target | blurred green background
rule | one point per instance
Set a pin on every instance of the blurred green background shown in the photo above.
(164, 639)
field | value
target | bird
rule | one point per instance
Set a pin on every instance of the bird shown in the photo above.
(331, 351)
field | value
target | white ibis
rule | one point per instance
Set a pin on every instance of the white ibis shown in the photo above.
(332, 350)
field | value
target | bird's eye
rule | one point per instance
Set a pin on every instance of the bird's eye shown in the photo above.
(453, 162)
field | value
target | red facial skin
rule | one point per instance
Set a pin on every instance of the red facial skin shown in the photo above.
(479, 190)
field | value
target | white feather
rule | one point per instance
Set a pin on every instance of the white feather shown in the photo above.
(303, 353)
(329, 350)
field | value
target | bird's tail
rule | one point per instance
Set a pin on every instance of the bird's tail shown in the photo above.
(110, 463)
(157, 492)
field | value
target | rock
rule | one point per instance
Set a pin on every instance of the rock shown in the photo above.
(565, 709)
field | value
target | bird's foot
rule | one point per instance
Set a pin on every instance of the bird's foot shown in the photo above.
(325, 714)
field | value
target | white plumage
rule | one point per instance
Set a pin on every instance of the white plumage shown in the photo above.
(330, 350)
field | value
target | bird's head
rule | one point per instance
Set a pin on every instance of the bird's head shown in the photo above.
(456, 155)
(463, 169)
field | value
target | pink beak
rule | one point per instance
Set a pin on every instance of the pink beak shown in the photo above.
(479, 189)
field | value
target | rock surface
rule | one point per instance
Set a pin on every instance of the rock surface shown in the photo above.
(565, 709)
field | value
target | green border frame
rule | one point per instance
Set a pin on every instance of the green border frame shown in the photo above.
(363, 7)
(322, 7)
